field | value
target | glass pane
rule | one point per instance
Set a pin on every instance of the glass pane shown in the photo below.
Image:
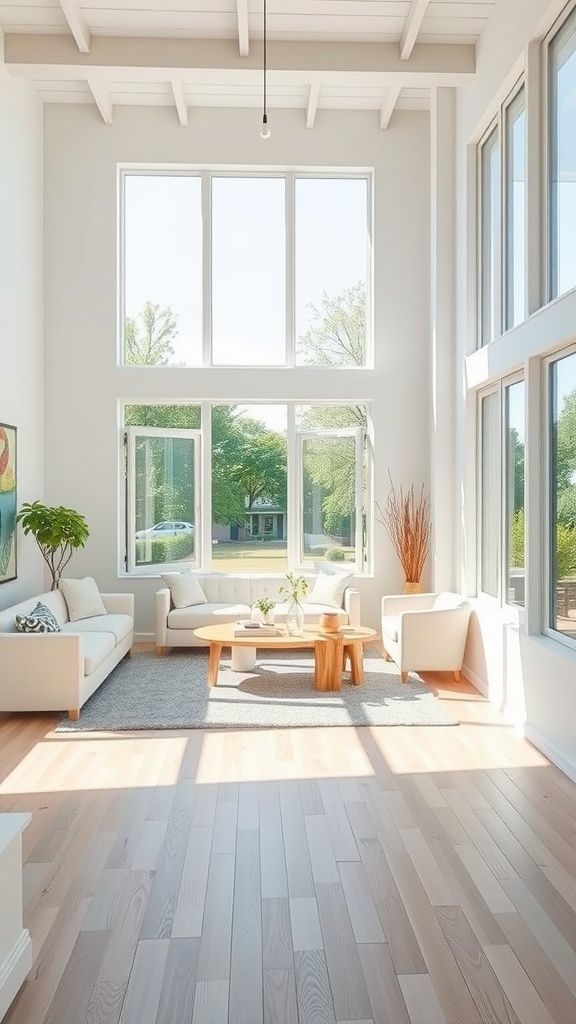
(516, 211)
(162, 270)
(248, 272)
(490, 238)
(249, 479)
(491, 489)
(331, 268)
(329, 499)
(164, 492)
(563, 159)
(563, 496)
(514, 397)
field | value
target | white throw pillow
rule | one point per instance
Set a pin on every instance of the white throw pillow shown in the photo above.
(82, 598)
(184, 588)
(329, 589)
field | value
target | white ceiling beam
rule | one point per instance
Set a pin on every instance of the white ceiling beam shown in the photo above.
(77, 24)
(313, 97)
(412, 26)
(102, 99)
(144, 59)
(388, 105)
(180, 101)
(243, 33)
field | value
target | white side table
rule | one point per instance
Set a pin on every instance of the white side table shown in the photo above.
(15, 943)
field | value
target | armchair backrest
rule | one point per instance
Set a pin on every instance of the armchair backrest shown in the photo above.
(446, 600)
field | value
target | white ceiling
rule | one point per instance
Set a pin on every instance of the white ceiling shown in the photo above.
(322, 54)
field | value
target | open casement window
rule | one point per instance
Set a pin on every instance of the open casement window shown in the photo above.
(331, 480)
(163, 499)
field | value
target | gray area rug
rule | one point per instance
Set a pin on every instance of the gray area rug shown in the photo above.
(148, 691)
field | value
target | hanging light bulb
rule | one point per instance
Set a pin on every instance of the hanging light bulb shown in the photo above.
(265, 130)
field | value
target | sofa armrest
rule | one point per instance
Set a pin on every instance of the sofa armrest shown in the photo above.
(352, 606)
(41, 671)
(119, 604)
(394, 604)
(162, 610)
(441, 634)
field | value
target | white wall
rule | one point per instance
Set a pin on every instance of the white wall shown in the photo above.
(83, 383)
(531, 675)
(21, 329)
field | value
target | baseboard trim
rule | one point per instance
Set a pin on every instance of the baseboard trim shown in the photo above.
(14, 970)
(144, 638)
(550, 751)
(476, 680)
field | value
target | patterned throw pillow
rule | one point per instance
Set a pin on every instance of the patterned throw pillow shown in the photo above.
(39, 620)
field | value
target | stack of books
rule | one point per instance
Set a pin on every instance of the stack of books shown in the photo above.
(255, 629)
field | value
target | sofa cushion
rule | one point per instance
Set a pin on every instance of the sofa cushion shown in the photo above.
(390, 627)
(119, 625)
(39, 620)
(206, 615)
(329, 589)
(185, 589)
(97, 646)
(82, 598)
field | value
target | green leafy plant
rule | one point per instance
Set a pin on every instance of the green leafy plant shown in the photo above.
(265, 604)
(295, 588)
(58, 531)
(336, 555)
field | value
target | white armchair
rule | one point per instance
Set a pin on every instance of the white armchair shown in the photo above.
(425, 631)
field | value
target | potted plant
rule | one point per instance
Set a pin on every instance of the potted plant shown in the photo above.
(265, 606)
(406, 517)
(58, 531)
(295, 590)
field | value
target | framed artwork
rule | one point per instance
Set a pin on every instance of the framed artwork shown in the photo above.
(7, 503)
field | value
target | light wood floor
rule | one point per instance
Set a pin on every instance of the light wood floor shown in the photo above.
(313, 876)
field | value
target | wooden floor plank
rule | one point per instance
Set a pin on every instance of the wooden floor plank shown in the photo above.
(384, 992)
(314, 998)
(145, 985)
(214, 958)
(280, 1003)
(176, 1003)
(246, 1006)
(211, 1002)
(421, 999)
(346, 979)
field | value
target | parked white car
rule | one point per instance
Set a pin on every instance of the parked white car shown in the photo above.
(167, 528)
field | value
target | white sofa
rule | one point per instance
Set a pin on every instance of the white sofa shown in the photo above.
(60, 671)
(425, 631)
(230, 597)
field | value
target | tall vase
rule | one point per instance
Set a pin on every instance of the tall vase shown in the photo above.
(295, 619)
(412, 588)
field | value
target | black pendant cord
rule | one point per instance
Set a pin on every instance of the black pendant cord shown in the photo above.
(265, 117)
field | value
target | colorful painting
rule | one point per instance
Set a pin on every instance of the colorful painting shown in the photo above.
(7, 503)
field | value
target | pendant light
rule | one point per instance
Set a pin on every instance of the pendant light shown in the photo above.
(264, 131)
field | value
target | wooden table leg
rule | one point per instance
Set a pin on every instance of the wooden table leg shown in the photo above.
(356, 664)
(213, 663)
(329, 656)
(320, 664)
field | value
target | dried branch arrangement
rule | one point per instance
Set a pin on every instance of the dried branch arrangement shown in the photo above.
(407, 521)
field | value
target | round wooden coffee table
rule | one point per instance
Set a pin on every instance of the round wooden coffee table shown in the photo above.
(330, 649)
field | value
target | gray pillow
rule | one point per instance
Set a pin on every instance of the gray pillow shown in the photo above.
(39, 620)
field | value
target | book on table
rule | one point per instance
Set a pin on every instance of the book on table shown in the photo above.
(254, 629)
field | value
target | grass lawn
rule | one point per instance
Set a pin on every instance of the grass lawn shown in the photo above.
(257, 557)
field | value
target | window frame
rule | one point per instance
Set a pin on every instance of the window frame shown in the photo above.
(498, 388)
(203, 486)
(130, 435)
(507, 207)
(549, 499)
(290, 177)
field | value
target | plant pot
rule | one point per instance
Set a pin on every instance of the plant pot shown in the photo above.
(329, 622)
(412, 588)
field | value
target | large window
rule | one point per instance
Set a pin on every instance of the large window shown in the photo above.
(501, 521)
(245, 269)
(515, 203)
(562, 158)
(490, 249)
(502, 221)
(209, 486)
(562, 496)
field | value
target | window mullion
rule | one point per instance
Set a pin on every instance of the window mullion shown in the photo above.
(290, 271)
(203, 482)
(294, 489)
(206, 202)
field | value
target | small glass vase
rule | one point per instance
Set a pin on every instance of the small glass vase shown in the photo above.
(295, 619)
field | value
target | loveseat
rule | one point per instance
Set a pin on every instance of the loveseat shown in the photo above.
(229, 598)
(60, 671)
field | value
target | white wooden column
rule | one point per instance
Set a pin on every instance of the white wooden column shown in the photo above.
(15, 944)
(443, 335)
